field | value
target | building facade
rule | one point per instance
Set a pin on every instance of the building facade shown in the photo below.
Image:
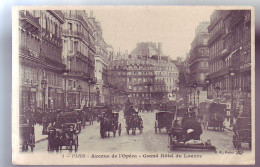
(147, 76)
(230, 58)
(198, 64)
(101, 62)
(78, 54)
(40, 59)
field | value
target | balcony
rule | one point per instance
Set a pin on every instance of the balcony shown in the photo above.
(77, 34)
(214, 22)
(28, 52)
(225, 52)
(236, 18)
(79, 74)
(58, 14)
(29, 18)
(215, 36)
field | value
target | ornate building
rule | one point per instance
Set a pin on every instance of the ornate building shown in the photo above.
(230, 58)
(78, 55)
(198, 64)
(101, 62)
(41, 66)
(147, 75)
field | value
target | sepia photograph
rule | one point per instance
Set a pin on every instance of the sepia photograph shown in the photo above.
(150, 85)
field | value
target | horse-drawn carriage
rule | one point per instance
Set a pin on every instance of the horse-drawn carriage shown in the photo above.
(214, 116)
(109, 123)
(64, 132)
(185, 133)
(26, 134)
(163, 120)
(242, 131)
(133, 122)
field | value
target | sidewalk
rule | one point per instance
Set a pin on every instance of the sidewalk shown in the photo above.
(38, 134)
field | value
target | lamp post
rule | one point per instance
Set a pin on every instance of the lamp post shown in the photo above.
(149, 90)
(207, 82)
(195, 86)
(198, 93)
(79, 89)
(217, 89)
(44, 86)
(97, 89)
(232, 74)
(89, 83)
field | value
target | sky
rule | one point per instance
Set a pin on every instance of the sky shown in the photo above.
(174, 27)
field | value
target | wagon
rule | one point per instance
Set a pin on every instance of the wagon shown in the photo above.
(65, 132)
(26, 135)
(109, 123)
(163, 120)
(133, 122)
(214, 117)
(242, 131)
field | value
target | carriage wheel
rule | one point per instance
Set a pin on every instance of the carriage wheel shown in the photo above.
(119, 129)
(48, 147)
(133, 131)
(171, 143)
(155, 127)
(76, 143)
(70, 146)
(32, 147)
(114, 131)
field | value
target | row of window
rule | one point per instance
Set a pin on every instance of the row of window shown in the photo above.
(156, 88)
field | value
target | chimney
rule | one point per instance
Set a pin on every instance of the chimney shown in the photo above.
(159, 50)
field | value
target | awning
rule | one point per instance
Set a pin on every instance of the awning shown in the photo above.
(231, 54)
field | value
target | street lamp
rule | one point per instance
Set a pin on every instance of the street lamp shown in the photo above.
(207, 82)
(195, 86)
(65, 74)
(97, 89)
(232, 74)
(89, 82)
(217, 89)
(44, 86)
(79, 89)
(198, 93)
(149, 90)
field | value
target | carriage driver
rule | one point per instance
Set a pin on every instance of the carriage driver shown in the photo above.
(193, 126)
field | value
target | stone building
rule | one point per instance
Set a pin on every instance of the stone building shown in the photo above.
(101, 61)
(40, 58)
(198, 64)
(78, 54)
(146, 75)
(230, 58)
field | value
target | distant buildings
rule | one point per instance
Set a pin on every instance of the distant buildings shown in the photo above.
(147, 75)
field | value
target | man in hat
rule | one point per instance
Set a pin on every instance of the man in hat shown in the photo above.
(194, 125)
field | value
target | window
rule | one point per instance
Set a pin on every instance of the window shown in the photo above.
(70, 26)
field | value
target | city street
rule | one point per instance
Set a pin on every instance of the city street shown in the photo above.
(90, 140)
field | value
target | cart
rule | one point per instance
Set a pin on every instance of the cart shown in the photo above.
(133, 122)
(242, 131)
(109, 123)
(214, 117)
(27, 137)
(163, 120)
